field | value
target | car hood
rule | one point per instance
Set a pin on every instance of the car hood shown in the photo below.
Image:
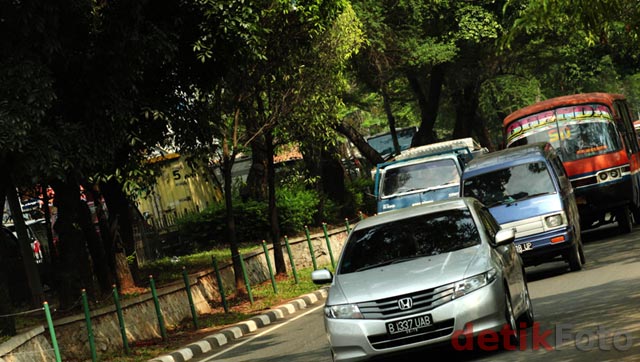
(410, 276)
(528, 208)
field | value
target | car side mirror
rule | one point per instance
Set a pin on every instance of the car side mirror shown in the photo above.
(504, 237)
(321, 276)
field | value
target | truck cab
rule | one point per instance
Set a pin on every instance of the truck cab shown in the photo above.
(423, 174)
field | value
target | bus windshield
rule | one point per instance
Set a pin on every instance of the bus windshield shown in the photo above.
(577, 132)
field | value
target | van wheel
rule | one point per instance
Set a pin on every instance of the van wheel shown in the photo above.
(574, 258)
(624, 219)
(635, 211)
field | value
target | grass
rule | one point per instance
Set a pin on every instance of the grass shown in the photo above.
(240, 309)
(170, 268)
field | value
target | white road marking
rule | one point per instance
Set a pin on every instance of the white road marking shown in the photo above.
(262, 333)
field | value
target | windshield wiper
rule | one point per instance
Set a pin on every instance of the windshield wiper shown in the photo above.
(512, 199)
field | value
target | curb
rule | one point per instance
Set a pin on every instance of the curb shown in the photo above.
(239, 330)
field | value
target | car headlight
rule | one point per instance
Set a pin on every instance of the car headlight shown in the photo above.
(468, 285)
(343, 311)
(553, 220)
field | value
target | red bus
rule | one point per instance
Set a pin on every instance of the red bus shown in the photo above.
(596, 141)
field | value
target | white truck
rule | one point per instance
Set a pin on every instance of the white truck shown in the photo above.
(423, 174)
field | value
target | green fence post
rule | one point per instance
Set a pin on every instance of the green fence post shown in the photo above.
(313, 256)
(154, 293)
(87, 317)
(52, 332)
(346, 221)
(246, 278)
(220, 286)
(293, 265)
(187, 285)
(266, 255)
(326, 237)
(123, 329)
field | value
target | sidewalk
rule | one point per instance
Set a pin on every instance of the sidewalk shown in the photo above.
(239, 330)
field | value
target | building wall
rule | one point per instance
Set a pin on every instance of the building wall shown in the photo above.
(179, 190)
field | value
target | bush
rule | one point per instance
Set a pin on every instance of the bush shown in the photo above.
(360, 197)
(296, 207)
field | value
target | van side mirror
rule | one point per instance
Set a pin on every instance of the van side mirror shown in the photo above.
(321, 276)
(505, 236)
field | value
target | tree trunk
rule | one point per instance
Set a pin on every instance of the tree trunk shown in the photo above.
(391, 119)
(74, 273)
(124, 279)
(96, 249)
(361, 144)
(227, 164)
(7, 324)
(429, 105)
(106, 237)
(121, 234)
(467, 122)
(33, 277)
(466, 104)
(256, 187)
(278, 255)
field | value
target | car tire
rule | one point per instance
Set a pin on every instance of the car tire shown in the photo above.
(574, 259)
(624, 219)
(527, 317)
(635, 211)
(512, 323)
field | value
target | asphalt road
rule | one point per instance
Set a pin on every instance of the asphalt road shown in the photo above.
(596, 312)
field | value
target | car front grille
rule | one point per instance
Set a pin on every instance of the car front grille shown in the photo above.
(439, 329)
(423, 301)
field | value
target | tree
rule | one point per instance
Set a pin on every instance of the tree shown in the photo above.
(272, 49)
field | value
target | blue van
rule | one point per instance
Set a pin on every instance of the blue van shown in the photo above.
(526, 188)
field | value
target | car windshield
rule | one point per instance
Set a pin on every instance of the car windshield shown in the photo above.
(384, 143)
(511, 184)
(420, 176)
(407, 239)
(576, 131)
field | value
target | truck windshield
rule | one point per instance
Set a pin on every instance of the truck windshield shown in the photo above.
(407, 239)
(577, 131)
(419, 176)
(508, 185)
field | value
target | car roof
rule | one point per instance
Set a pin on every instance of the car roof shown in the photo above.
(505, 158)
(408, 212)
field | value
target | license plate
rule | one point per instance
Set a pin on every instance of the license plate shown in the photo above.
(409, 325)
(521, 248)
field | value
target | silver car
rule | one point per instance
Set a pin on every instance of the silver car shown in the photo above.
(432, 274)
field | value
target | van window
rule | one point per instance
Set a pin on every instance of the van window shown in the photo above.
(511, 184)
(404, 239)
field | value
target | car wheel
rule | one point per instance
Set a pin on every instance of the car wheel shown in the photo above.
(624, 219)
(527, 317)
(574, 259)
(635, 211)
(514, 336)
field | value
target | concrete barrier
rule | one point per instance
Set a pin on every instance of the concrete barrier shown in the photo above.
(139, 312)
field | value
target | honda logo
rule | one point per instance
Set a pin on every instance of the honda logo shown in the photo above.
(405, 303)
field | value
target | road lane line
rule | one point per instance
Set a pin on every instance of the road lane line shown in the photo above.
(261, 334)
